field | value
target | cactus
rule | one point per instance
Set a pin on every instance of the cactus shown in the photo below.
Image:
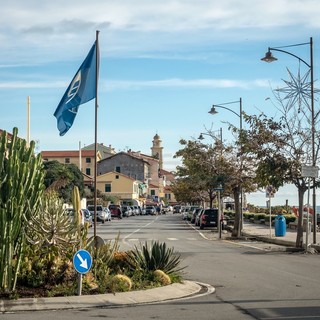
(51, 227)
(162, 277)
(21, 186)
(76, 202)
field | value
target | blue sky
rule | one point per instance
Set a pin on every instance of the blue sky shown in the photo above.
(163, 64)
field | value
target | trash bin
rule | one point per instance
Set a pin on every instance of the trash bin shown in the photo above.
(280, 226)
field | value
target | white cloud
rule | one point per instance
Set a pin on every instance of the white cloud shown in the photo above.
(42, 29)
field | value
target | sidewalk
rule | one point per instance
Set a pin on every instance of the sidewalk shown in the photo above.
(262, 232)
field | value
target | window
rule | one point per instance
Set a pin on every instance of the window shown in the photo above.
(107, 187)
(88, 171)
(117, 176)
(88, 160)
(118, 169)
(153, 192)
(168, 196)
(67, 160)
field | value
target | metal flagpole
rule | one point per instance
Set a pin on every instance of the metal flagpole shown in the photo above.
(96, 137)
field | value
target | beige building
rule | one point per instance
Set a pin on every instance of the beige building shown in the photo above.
(119, 185)
(83, 159)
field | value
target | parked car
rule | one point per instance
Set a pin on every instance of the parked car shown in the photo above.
(71, 214)
(126, 211)
(108, 214)
(169, 208)
(184, 215)
(190, 212)
(134, 210)
(194, 214)
(101, 216)
(209, 218)
(177, 209)
(150, 210)
(197, 219)
(138, 210)
(87, 217)
(116, 211)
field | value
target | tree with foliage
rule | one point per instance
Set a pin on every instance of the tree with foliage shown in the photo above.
(62, 178)
(206, 168)
(198, 172)
(281, 147)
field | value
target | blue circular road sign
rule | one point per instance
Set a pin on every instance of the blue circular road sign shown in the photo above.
(82, 261)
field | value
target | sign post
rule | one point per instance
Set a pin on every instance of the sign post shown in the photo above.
(309, 172)
(219, 189)
(270, 191)
(82, 262)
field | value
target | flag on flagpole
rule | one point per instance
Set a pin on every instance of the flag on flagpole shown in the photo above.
(81, 90)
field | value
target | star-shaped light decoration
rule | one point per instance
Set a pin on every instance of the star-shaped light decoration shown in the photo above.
(298, 91)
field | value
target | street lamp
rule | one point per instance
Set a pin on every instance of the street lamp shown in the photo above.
(213, 111)
(270, 58)
(219, 188)
(202, 134)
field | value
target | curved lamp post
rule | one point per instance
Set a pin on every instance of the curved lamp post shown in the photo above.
(219, 189)
(213, 111)
(270, 58)
(202, 134)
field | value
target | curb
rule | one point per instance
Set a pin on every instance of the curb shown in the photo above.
(186, 289)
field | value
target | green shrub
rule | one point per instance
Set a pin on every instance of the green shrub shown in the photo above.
(157, 256)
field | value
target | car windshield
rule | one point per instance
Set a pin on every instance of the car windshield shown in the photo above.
(91, 208)
(211, 212)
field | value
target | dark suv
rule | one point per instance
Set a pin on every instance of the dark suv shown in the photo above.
(116, 211)
(209, 218)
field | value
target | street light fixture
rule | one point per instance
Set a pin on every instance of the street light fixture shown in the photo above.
(202, 134)
(219, 188)
(213, 111)
(270, 58)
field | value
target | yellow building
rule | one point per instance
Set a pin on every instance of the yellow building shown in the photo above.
(83, 159)
(118, 185)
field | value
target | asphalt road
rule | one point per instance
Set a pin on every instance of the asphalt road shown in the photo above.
(251, 281)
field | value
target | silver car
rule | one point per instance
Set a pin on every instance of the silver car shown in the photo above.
(101, 215)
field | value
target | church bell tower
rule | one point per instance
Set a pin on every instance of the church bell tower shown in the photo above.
(156, 149)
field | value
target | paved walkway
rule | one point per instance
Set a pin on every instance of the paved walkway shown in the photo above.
(262, 231)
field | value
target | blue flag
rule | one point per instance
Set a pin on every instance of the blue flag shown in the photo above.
(81, 90)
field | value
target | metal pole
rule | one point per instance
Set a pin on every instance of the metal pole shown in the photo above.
(314, 160)
(241, 168)
(270, 220)
(219, 213)
(307, 224)
(96, 138)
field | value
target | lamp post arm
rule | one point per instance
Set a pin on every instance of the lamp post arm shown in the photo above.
(291, 54)
(218, 106)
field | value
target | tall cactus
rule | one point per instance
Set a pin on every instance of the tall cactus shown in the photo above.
(21, 186)
(76, 202)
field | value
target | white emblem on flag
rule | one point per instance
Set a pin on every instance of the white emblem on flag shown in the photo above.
(75, 85)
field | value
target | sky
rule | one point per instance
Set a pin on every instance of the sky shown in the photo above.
(163, 64)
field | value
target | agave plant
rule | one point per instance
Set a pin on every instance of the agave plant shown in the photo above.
(157, 256)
